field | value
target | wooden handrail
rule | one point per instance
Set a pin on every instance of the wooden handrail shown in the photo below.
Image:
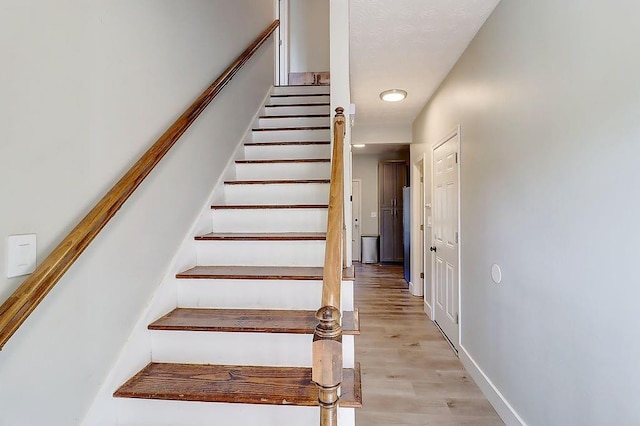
(327, 339)
(15, 310)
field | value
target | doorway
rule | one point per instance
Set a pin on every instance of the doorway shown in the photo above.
(445, 248)
(356, 230)
(281, 62)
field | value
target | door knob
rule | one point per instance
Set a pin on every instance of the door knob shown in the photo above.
(433, 249)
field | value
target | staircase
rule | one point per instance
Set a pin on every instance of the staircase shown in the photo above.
(236, 350)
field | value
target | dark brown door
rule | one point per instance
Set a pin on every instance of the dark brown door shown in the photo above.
(392, 177)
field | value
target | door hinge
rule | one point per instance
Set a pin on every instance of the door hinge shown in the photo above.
(456, 158)
(421, 274)
(421, 179)
(457, 318)
(456, 238)
(422, 227)
(351, 198)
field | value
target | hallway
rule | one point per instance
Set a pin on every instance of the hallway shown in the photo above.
(410, 375)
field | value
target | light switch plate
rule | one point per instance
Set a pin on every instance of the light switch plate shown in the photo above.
(21, 255)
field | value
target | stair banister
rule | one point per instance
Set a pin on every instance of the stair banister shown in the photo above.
(327, 339)
(17, 308)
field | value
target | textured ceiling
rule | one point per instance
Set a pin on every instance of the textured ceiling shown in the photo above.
(410, 45)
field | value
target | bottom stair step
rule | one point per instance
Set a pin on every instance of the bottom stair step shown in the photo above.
(236, 384)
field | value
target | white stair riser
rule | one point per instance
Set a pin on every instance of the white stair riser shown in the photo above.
(270, 220)
(291, 135)
(298, 193)
(260, 253)
(257, 294)
(267, 171)
(297, 110)
(147, 412)
(300, 90)
(204, 347)
(296, 100)
(274, 152)
(269, 123)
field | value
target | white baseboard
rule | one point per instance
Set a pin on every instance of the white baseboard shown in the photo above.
(506, 412)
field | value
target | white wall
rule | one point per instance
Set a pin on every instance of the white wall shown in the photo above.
(308, 35)
(85, 88)
(380, 133)
(548, 96)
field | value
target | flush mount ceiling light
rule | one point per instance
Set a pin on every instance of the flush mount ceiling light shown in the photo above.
(393, 95)
(358, 145)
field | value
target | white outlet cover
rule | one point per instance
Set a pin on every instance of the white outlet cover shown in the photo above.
(374, 214)
(21, 255)
(496, 273)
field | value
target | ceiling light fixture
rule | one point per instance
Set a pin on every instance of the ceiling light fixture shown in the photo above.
(393, 95)
(358, 145)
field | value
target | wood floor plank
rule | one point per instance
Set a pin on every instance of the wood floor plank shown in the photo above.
(233, 384)
(410, 375)
(248, 321)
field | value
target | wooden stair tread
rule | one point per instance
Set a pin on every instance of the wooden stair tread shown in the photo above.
(297, 116)
(268, 206)
(292, 160)
(237, 236)
(275, 181)
(299, 105)
(287, 143)
(235, 384)
(301, 273)
(249, 321)
(287, 95)
(278, 129)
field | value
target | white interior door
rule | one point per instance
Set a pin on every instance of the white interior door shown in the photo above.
(355, 214)
(445, 237)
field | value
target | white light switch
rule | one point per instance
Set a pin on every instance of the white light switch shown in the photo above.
(374, 214)
(21, 259)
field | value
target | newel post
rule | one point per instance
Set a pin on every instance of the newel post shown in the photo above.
(327, 339)
(327, 363)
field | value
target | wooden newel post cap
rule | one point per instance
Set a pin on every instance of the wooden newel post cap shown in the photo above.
(340, 111)
(327, 348)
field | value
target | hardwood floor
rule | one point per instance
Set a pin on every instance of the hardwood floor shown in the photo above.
(410, 375)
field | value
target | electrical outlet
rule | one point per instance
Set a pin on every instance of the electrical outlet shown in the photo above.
(21, 255)
(374, 214)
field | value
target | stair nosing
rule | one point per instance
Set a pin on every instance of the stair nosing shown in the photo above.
(350, 321)
(275, 117)
(278, 95)
(298, 105)
(286, 160)
(288, 129)
(238, 236)
(287, 143)
(277, 182)
(267, 206)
